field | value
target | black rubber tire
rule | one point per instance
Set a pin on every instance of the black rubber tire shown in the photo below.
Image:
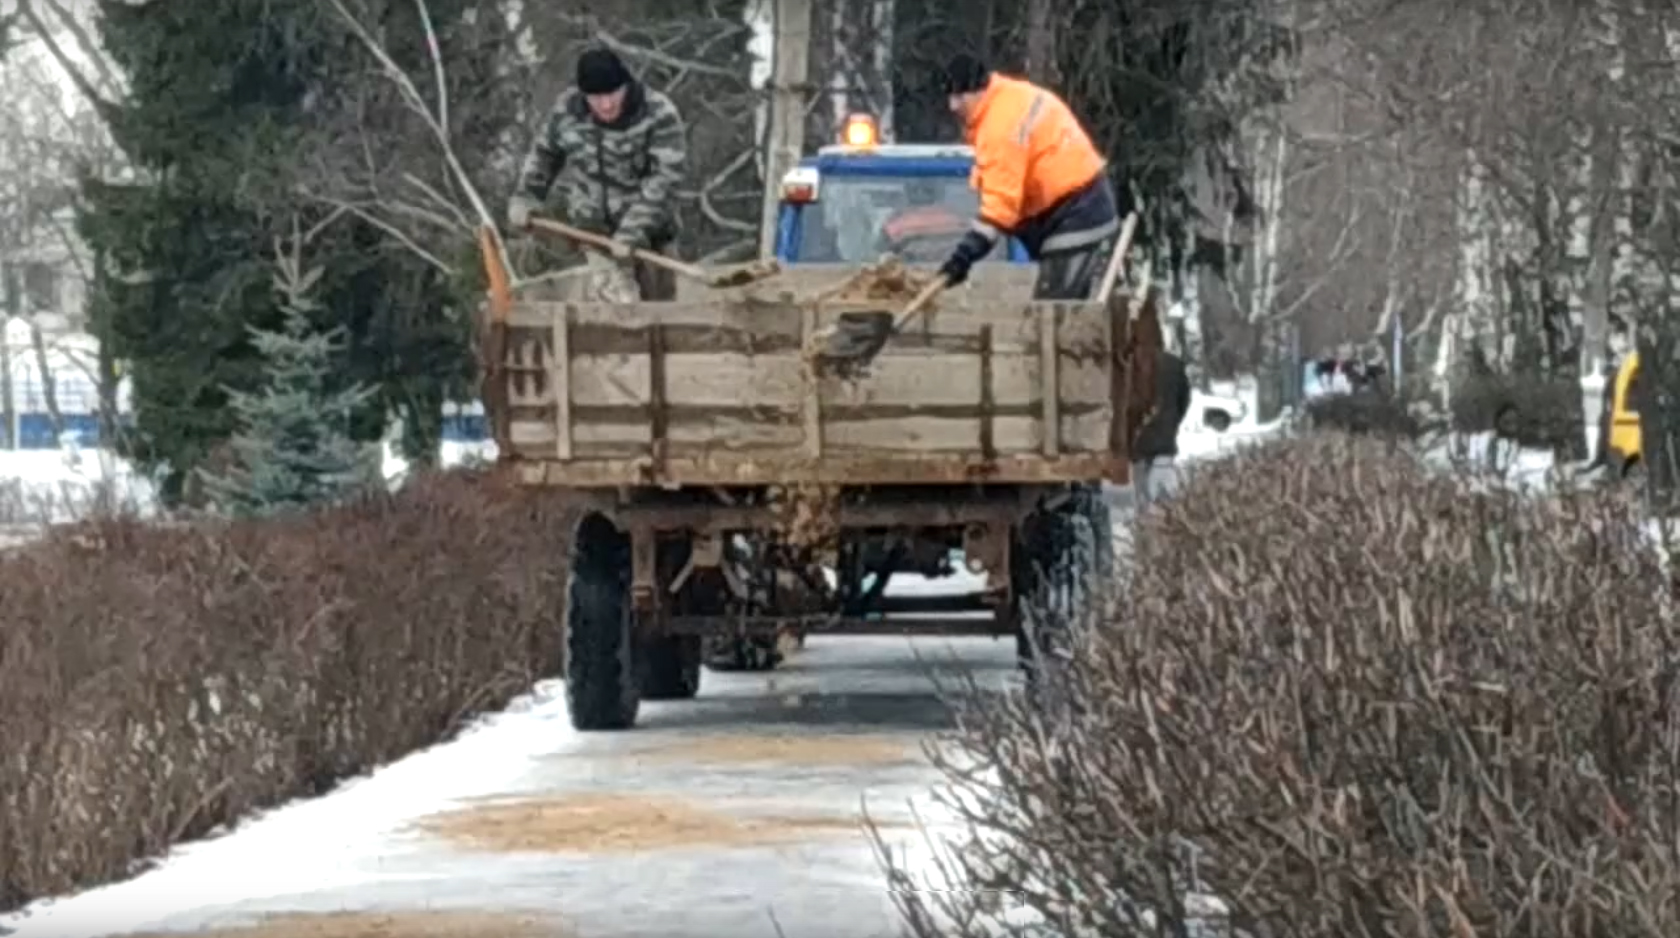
(668, 668)
(743, 654)
(1058, 561)
(602, 692)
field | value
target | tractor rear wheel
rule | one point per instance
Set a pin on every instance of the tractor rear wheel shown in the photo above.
(668, 667)
(602, 692)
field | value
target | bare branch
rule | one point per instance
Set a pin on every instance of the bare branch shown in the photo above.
(439, 130)
(87, 88)
(339, 209)
(663, 58)
(89, 48)
(436, 55)
(741, 160)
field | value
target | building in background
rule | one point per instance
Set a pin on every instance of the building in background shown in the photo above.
(47, 357)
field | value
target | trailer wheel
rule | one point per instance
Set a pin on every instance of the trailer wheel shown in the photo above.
(668, 668)
(1059, 561)
(601, 686)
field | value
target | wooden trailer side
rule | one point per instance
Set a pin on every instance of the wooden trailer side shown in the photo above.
(721, 392)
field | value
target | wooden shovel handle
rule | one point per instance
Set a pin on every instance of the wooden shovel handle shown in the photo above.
(496, 275)
(1117, 260)
(607, 244)
(935, 287)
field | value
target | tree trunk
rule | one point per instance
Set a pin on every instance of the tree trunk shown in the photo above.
(10, 281)
(1602, 206)
(1041, 43)
(1659, 411)
(49, 381)
(851, 43)
(785, 138)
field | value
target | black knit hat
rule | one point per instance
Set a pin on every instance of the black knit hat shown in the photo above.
(966, 73)
(601, 71)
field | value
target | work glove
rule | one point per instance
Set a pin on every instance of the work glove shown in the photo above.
(520, 209)
(968, 251)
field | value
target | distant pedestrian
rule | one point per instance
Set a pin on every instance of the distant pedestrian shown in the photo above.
(1155, 452)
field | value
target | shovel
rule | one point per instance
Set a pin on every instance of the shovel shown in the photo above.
(858, 337)
(737, 276)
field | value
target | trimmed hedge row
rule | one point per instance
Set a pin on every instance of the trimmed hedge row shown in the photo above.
(1339, 694)
(157, 683)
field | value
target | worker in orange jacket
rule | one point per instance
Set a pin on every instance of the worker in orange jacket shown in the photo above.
(1040, 180)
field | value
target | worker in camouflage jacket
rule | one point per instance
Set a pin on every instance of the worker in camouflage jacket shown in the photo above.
(616, 150)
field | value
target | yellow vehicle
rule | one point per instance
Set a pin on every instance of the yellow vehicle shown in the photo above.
(1623, 438)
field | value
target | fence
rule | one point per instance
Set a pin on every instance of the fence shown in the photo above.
(34, 430)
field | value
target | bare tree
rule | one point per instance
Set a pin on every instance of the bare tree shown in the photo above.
(398, 155)
(76, 143)
(59, 138)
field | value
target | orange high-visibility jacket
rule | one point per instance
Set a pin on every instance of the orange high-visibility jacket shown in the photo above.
(1030, 152)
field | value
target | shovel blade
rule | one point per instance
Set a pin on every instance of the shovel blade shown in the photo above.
(860, 334)
(856, 339)
(746, 273)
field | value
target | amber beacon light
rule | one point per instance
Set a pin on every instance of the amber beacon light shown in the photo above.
(860, 131)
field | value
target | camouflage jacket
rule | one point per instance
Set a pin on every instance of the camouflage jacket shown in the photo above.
(618, 179)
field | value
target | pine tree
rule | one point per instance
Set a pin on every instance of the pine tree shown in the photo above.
(230, 110)
(293, 448)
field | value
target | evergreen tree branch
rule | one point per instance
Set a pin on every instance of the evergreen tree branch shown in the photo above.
(293, 449)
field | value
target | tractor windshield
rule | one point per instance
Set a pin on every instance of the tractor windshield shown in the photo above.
(859, 218)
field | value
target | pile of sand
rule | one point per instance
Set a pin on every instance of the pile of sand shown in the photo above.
(387, 925)
(888, 280)
(609, 823)
(786, 750)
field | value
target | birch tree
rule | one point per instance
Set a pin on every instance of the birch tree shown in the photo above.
(59, 39)
(59, 137)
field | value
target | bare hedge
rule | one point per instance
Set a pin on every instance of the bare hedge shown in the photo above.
(158, 683)
(1364, 414)
(1533, 411)
(1347, 696)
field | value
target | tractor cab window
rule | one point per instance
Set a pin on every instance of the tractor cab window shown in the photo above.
(860, 218)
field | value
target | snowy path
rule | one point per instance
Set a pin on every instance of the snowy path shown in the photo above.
(700, 822)
(707, 819)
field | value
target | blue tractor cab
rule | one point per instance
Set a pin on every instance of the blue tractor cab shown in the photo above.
(856, 200)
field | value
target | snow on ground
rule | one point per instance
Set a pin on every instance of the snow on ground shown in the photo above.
(60, 485)
(838, 711)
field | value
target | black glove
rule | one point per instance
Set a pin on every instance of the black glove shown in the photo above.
(969, 250)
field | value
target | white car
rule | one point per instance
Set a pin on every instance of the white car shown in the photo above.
(1213, 413)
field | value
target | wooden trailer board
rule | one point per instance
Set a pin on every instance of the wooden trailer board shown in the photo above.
(721, 391)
